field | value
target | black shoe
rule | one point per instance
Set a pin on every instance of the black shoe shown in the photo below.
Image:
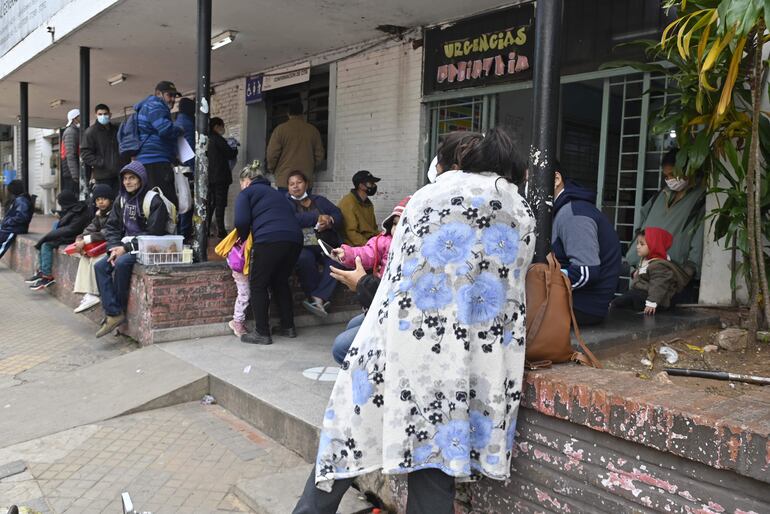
(285, 332)
(256, 338)
(34, 278)
(42, 283)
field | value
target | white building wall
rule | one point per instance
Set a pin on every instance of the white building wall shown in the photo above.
(377, 123)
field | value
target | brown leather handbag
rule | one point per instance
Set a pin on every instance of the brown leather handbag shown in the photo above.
(550, 317)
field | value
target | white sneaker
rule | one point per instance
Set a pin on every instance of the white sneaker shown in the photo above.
(88, 301)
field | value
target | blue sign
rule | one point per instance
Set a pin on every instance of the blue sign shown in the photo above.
(254, 89)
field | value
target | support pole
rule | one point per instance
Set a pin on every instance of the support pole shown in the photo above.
(24, 134)
(85, 111)
(200, 244)
(542, 153)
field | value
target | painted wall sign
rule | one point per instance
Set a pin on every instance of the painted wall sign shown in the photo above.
(254, 89)
(488, 49)
(296, 74)
(18, 18)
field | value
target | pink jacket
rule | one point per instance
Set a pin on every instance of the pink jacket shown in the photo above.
(374, 254)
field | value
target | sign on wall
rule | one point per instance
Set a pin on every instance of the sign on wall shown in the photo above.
(291, 75)
(254, 89)
(488, 49)
(18, 18)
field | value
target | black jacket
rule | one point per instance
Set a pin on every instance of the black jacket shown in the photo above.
(220, 153)
(73, 220)
(153, 225)
(99, 150)
(96, 228)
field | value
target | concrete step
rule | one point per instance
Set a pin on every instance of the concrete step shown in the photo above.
(142, 380)
(278, 493)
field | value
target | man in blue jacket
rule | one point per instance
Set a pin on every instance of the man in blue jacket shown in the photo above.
(158, 136)
(18, 214)
(587, 247)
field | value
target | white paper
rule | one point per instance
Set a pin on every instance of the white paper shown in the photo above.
(183, 149)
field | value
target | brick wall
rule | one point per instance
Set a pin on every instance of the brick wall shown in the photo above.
(378, 123)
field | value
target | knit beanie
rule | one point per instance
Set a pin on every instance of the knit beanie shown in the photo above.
(398, 210)
(67, 199)
(103, 191)
(16, 187)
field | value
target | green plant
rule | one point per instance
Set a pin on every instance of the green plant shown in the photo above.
(712, 54)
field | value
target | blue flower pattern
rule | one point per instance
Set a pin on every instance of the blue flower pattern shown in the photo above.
(450, 305)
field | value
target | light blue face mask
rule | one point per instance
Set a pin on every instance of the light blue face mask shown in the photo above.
(104, 119)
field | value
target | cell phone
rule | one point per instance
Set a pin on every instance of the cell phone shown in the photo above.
(327, 250)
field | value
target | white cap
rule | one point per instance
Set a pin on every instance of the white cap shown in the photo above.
(71, 115)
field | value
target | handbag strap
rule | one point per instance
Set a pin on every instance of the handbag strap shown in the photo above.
(587, 357)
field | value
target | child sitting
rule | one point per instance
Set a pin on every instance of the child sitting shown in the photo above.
(374, 254)
(658, 279)
(85, 280)
(18, 213)
(73, 218)
(126, 221)
(241, 276)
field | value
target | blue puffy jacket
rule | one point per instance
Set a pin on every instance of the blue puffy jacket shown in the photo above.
(587, 247)
(265, 213)
(157, 132)
(19, 215)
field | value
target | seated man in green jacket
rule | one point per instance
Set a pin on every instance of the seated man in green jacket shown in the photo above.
(357, 209)
(679, 208)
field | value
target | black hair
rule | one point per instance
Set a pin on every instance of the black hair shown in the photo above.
(216, 122)
(495, 152)
(454, 145)
(639, 232)
(295, 108)
(187, 106)
(102, 107)
(669, 159)
(297, 173)
(16, 187)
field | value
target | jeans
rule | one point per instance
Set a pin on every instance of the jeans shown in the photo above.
(161, 175)
(6, 238)
(45, 258)
(270, 267)
(315, 283)
(217, 202)
(185, 224)
(114, 282)
(343, 341)
(430, 492)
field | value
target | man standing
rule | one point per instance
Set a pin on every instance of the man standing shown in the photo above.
(100, 149)
(158, 138)
(358, 210)
(70, 153)
(587, 249)
(679, 208)
(295, 145)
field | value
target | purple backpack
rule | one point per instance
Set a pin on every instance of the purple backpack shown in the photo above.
(235, 259)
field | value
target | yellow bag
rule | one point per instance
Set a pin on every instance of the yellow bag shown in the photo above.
(226, 244)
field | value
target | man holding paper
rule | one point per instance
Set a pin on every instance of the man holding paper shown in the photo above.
(158, 138)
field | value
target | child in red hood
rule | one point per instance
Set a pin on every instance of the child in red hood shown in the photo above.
(657, 279)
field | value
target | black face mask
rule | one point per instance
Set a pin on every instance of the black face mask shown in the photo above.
(371, 191)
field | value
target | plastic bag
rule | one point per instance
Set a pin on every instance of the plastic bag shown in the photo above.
(182, 186)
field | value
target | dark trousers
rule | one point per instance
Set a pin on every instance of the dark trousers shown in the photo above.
(314, 282)
(69, 184)
(217, 202)
(631, 299)
(583, 319)
(430, 492)
(114, 283)
(269, 269)
(161, 174)
(6, 238)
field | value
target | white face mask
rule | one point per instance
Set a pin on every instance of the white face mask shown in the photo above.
(432, 171)
(299, 198)
(676, 184)
(104, 119)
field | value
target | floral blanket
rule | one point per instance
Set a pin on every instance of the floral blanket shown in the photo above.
(433, 379)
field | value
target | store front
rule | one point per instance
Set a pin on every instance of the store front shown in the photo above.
(477, 74)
